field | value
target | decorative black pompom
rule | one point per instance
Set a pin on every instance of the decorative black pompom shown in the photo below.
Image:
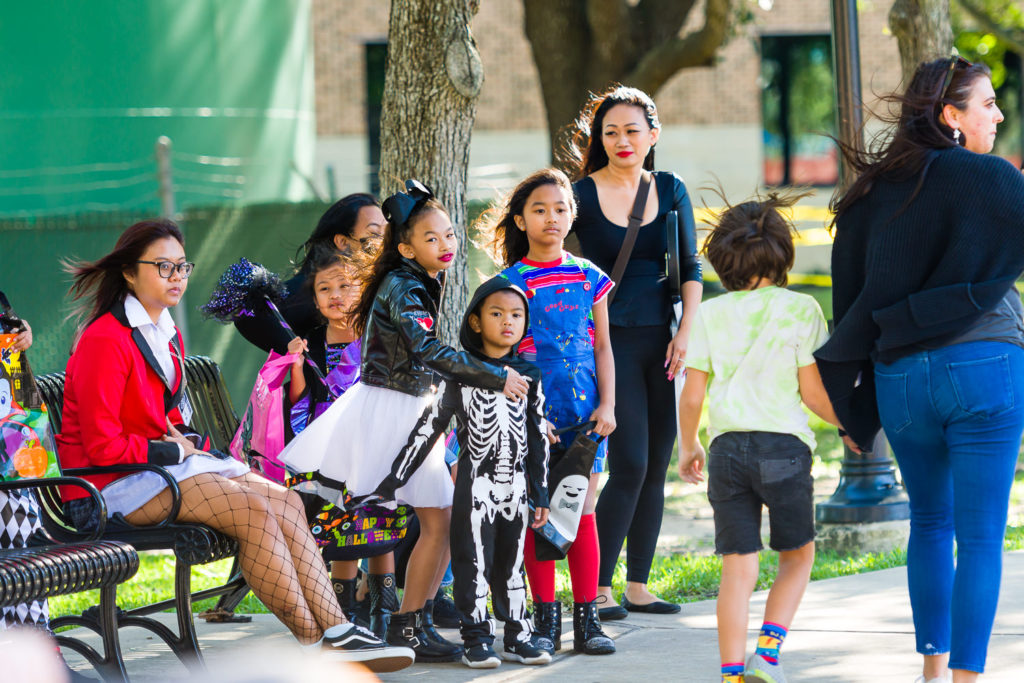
(244, 288)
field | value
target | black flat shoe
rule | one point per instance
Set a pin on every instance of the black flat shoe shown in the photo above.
(656, 607)
(612, 613)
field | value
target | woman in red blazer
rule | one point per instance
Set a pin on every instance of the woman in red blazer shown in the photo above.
(123, 394)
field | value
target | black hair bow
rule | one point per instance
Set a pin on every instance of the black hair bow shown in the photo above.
(398, 207)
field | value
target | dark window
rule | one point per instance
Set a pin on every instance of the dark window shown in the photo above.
(376, 58)
(798, 110)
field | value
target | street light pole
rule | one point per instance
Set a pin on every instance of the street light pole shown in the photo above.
(868, 490)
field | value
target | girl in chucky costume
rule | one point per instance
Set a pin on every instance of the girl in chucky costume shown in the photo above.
(568, 340)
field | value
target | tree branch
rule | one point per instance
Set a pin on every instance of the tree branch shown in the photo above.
(1014, 39)
(695, 49)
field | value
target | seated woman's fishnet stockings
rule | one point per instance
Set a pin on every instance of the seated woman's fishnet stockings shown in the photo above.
(265, 554)
(306, 558)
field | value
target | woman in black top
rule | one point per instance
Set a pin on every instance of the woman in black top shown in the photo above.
(614, 148)
(345, 226)
(929, 241)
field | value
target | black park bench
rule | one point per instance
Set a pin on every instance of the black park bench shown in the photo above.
(53, 568)
(192, 544)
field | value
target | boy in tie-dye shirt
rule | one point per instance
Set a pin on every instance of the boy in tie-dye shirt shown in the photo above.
(752, 350)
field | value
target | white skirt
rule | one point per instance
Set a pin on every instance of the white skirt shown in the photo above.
(128, 494)
(357, 439)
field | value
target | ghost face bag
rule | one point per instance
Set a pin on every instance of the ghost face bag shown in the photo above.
(567, 486)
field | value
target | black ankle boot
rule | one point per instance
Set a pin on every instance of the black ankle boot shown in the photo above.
(430, 631)
(405, 630)
(587, 635)
(547, 623)
(446, 615)
(345, 591)
(383, 599)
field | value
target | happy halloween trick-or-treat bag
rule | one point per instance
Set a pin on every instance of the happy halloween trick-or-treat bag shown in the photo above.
(568, 479)
(27, 448)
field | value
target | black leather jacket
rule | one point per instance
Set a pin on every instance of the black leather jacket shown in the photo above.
(400, 347)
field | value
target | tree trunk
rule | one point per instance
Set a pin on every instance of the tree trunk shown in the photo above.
(922, 30)
(431, 84)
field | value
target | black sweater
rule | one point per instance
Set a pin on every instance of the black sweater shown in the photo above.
(906, 274)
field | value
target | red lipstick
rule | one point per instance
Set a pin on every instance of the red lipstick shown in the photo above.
(623, 154)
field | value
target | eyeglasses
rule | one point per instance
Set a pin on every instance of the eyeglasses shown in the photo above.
(167, 268)
(954, 62)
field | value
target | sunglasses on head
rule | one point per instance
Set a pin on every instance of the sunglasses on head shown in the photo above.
(954, 62)
(398, 207)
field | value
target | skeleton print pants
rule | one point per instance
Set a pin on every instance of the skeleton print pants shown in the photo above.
(487, 535)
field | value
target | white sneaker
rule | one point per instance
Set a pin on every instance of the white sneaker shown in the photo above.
(940, 679)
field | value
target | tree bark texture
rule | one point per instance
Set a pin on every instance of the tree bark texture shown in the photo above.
(584, 46)
(922, 30)
(431, 84)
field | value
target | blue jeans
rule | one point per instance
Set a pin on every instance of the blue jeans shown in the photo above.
(954, 417)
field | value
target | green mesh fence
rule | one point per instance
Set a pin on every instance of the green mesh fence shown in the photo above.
(31, 275)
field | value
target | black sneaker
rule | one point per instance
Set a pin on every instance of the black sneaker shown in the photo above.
(530, 651)
(481, 656)
(358, 644)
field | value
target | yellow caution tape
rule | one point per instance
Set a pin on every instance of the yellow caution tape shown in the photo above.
(806, 236)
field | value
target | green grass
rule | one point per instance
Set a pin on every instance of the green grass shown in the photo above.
(683, 577)
(153, 582)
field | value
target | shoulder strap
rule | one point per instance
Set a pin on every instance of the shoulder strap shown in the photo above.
(636, 217)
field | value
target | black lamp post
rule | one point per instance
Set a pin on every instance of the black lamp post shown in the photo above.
(868, 490)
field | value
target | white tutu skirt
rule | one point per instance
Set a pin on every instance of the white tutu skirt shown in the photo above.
(356, 442)
(128, 494)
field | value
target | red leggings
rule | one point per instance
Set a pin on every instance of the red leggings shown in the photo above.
(584, 561)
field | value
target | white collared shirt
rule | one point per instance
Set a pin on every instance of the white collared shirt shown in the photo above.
(158, 335)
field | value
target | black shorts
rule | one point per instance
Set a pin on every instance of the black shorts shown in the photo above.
(749, 469)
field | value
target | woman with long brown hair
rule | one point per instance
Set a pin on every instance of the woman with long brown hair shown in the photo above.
(124, 402)
(929, 242)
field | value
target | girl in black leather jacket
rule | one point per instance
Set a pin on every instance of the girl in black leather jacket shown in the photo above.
(352, 446)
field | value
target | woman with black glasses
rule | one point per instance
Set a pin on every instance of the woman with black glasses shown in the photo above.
(125, 403)
(929, 241)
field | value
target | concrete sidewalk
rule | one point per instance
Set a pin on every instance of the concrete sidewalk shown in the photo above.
(853, 629)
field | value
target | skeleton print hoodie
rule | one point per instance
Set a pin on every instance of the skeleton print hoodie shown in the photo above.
(498, 436)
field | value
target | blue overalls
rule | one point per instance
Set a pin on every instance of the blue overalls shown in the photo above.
(559, 322)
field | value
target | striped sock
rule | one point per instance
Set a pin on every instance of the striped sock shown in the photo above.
(769, 641)
(732, 672)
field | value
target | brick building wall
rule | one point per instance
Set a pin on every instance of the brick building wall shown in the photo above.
(728, 93)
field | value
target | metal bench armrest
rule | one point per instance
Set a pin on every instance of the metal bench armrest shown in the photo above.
(171, 482)
(67, 480)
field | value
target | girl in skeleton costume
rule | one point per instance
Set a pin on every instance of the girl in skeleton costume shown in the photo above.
(353, 444)
(503, 457)
(568, 339)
